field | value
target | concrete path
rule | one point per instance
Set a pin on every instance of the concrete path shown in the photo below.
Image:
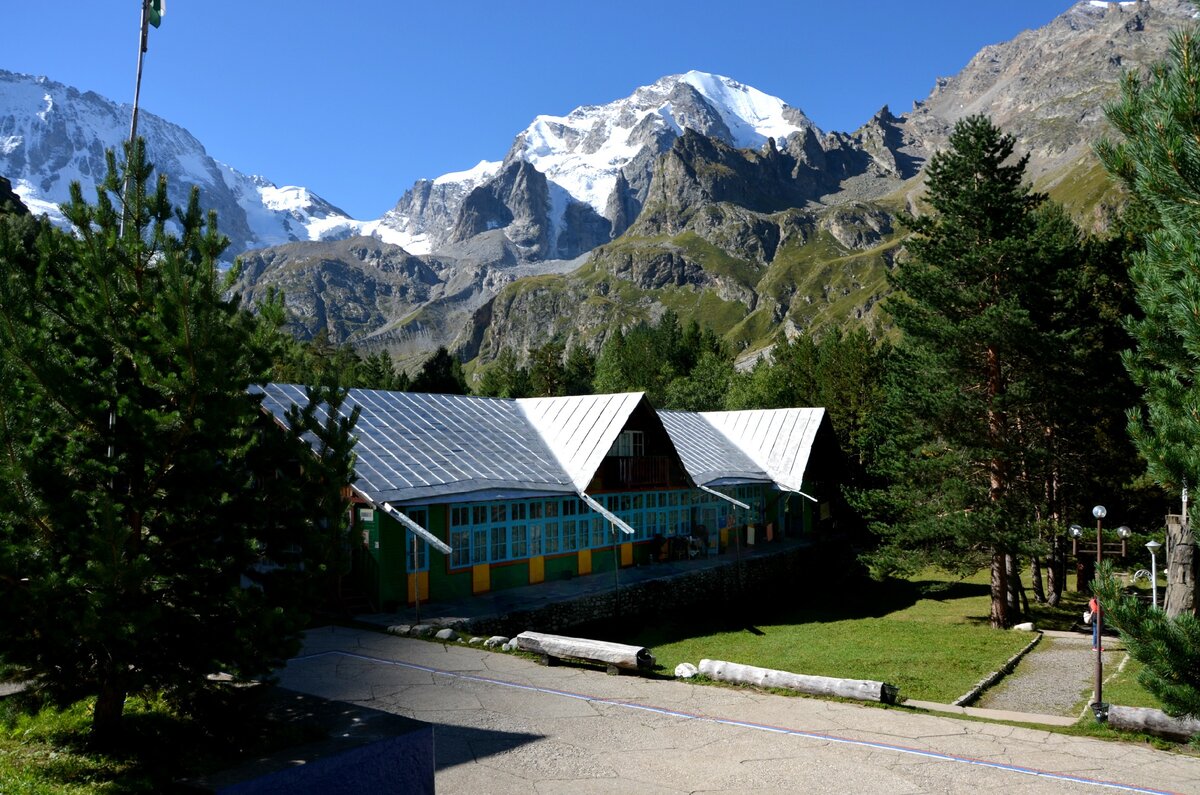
(505, 724)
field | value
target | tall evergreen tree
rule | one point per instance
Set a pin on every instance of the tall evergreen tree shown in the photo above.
(580, 370)
(964, 300)
(505, 377)
(442, 374)
(1158, 159)
(141, 481)
(547, 376)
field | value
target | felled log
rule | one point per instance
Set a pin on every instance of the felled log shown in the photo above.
(858, 689)
(615, 656)
(1152, 721)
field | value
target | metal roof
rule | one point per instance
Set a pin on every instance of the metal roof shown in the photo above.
(414, 447)
(779, 441)
(580, 429)
(707, 455)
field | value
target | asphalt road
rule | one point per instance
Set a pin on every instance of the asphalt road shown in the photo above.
(506, 724)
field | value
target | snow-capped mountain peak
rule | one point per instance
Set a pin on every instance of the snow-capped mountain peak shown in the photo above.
(583, 151)
(52, 135)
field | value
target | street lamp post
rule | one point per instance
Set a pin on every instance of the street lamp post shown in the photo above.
(1099, 512)
(1153, 546)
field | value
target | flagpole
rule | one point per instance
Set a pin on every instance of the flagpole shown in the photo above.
(143, 35)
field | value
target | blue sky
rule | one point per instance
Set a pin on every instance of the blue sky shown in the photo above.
(358, 100)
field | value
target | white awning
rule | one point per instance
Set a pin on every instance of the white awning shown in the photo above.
(420, 532)
(725, 497)
(607, 514)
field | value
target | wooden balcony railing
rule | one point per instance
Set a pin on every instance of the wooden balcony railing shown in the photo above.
(620, 472)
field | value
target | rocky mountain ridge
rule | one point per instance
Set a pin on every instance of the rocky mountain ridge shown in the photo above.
(52, 134)
(697, 193)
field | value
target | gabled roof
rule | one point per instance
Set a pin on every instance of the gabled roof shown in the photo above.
(580, 429)
(709, 457)
(414, 446)
(779, 441)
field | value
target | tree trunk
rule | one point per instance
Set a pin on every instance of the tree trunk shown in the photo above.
(556, 647)
(999, 617)
(106, 719)
(859, 689)
(1035, 579)
(1018, 602)
(1153, 721)
(1181, 572)
(1056, 571)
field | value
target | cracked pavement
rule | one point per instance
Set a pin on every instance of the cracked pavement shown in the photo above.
(503, 723)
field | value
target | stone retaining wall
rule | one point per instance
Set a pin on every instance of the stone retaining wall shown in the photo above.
(774, 576)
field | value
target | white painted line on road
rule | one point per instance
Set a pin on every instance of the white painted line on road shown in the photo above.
(966, 760)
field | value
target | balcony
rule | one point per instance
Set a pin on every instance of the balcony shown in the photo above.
(635, 472)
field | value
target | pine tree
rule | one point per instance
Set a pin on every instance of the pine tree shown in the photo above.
(1158, 160)
(1167, 646)
(505, 377)
(963, 304)
(547, 376)
(141, 480)
(580, 371)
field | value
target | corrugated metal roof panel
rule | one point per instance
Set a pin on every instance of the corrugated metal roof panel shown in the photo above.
(414, 446)
(706, 454)
(580, 429)
(780, 441)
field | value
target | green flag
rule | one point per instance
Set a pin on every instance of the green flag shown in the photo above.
(155, 10)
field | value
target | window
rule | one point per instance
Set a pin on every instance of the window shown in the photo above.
(460, 543)
(535, 539)
(499, 543)
(628, 445)
(416, 558)
(550, 530)
(570, 539)
(520, 541)
(416, 554)
(479, 544)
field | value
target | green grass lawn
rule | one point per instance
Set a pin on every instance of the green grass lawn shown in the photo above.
(928, 635)
(47, 751)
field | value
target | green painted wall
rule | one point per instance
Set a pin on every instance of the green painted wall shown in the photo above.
(510, 575)
(557, 568)
(393, 571)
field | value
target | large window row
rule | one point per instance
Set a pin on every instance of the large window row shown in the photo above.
(495, 532)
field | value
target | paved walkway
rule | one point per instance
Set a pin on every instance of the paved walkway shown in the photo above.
(1056, 678)
(505, 724)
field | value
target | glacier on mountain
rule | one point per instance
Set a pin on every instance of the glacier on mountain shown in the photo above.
(52, 134)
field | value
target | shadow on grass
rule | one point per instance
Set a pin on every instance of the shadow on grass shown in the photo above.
(156, 747)
(856, 598)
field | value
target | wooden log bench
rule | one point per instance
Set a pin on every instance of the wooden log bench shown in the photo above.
(858, 689)
(614, 656)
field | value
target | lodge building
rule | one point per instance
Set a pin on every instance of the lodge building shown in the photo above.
(458, 495)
